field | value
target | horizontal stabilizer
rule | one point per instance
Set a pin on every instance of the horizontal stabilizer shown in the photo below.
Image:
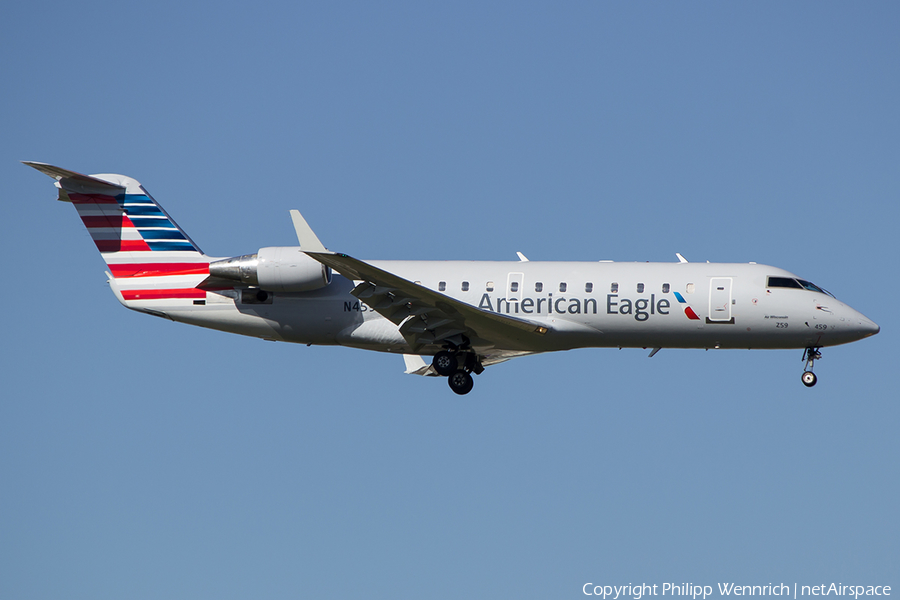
(76, 182)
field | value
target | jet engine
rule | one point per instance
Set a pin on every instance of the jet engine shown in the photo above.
(275, 269)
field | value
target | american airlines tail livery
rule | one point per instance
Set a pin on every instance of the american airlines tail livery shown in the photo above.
(462, 316)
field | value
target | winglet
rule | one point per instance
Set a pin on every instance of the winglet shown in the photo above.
(308, 240)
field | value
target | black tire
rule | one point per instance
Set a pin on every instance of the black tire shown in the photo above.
(808, 378)
(445, 363)
(461, 382)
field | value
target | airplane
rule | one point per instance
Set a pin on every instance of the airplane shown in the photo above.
(463, 315)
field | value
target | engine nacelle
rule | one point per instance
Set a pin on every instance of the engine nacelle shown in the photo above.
(288, 269)
(276, 269)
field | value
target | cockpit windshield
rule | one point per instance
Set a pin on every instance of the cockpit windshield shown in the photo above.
(800, 284)
(811, 286)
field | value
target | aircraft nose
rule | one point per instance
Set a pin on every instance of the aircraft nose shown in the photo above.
(864, 326)
(852, 325)
(869, 327)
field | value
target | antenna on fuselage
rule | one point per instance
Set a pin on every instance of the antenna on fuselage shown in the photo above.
(681, 259)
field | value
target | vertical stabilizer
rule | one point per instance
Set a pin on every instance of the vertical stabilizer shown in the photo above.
(150, 257)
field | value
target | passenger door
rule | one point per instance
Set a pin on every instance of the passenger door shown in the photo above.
(720, 300)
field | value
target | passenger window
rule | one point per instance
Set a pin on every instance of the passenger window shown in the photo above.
(689, 288)
(442, 286)
(589, 287)
(614, 288)
(538, 286)
(640, 288)
(665, 288)
(465, 286)
(562, 287)
(490, 286)
(514, 286)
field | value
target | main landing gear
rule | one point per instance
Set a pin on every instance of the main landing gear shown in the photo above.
(461, 382)
(457, 366)
(810, 355)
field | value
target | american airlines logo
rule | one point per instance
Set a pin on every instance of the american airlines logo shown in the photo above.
(687, 309)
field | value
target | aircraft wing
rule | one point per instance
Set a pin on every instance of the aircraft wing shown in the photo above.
(430, 319)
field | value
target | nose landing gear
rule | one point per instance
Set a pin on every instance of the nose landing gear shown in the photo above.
(810, 355)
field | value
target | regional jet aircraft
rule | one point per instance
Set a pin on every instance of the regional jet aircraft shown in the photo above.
(462, 315)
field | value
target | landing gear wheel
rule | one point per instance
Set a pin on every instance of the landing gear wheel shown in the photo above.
(445, 363)
(461, 382)
(810, 355)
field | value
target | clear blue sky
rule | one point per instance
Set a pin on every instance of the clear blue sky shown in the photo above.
(143, 459)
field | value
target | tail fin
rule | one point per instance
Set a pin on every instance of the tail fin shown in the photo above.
(149, 255)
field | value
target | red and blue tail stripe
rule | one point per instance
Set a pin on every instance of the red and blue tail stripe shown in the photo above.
(130, 223)
(151, 259)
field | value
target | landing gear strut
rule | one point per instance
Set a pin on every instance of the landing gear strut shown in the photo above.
(457, 365)
(810, 355)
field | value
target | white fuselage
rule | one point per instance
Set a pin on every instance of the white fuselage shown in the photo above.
(582, 304)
